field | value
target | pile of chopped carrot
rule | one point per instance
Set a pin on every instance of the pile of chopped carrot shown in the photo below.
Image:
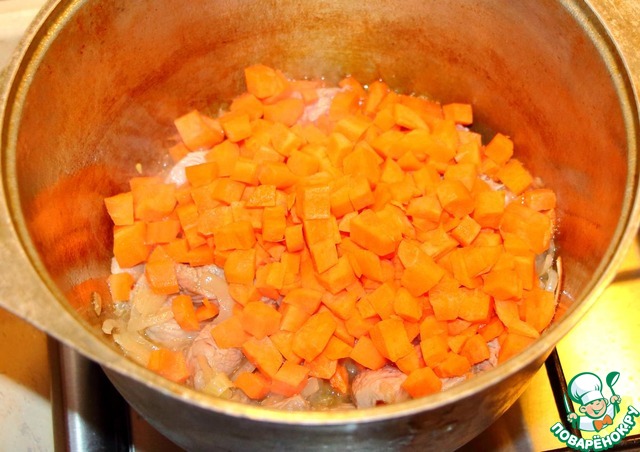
(371, 228)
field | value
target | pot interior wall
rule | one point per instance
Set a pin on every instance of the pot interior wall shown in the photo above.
(106, 90)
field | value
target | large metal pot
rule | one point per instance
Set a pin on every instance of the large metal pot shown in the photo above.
(95, 85)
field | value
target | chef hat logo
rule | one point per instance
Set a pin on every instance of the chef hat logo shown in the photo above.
(585, 387)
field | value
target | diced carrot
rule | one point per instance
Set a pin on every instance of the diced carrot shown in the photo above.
(475, 349)
(357, 325)
(508, 314)
(540, 307)
(171, 365)
(368, 263)
(202, 174)
(489, 206)
(337, 349)
(421, 276)
(475, 305)
(338, 277)
(229, 333)
(313, 202)
(313, 336)
(240, 266)
(411, 361)
(184, 312)
(430, 326)
(512, 345)
(263, 81)
(466, 231)
(376, 92)
(352, 126)
(339, 381)
(491, 330)
(456, 342)
(366, 354)
(322, 367)
(129, 245)
(406, 117)
(499, 149)
(245, 170)
(427, 207)
(236, 125)
(540, 199)
(458, 113)
(260, 319)
(435, 349)
(283, 340)
(293, 317)
(445, 299)
(422, 382)
(369, 232)
(206, 311)
(153, 201)
(244, 293)
(263, 354)
(344, 103)
(270, 279)
(302, 164)
(382, 300)
(249, 104)
(178, 151)
(237, 235)
(390, 338)
(163, 231)
(515, 176)
(454, 365)
(294, 238)
(363, 161)
(341, 303)
(455, 198)
(196, 133)
(120, 208)
(276, 173)
(407, 306)
(290, 379)
(503, 284)
(255, 385)
(120, 286)
(285, 111)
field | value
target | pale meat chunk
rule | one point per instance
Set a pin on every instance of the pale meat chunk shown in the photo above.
(209, 282)
(216, 359)
(382, 386)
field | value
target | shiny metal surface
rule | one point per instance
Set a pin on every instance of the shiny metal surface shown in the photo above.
(93, 90)
(87, 413)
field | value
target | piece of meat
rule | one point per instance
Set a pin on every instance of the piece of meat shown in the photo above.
(373, 387)
(147, 308)
(170, 335)
(177, 175)
(492, 361)
(451, 382)
(209, 282)
(294, 403)
(216, 359)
